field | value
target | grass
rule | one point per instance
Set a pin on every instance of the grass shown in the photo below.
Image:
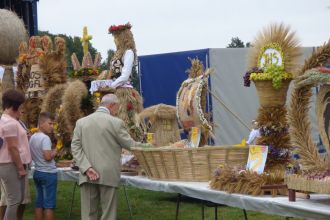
(145, 204)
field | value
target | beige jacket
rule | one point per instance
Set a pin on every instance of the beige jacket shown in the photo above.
(97, 142)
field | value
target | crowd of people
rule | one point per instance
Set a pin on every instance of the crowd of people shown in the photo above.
(96, 146)
(18, 149)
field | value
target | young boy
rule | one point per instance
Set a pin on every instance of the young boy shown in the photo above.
(45, 175)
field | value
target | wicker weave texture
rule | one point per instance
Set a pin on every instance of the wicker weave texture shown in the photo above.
(268, 95)
(309, 185)
(189, 164)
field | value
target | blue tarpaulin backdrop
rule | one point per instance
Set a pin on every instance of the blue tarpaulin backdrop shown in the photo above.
(161, 75)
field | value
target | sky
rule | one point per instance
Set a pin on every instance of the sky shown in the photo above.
(162, 26)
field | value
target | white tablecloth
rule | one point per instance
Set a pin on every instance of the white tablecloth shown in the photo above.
(317, 207)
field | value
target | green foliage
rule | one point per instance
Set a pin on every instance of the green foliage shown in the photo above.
(235, 43)
(277, 75)
(238, 43)
(73, 45)
(135, 79)
(110, 54)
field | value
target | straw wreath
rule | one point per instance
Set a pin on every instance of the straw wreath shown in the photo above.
(300, 131)
(322, 104)
(319, 58)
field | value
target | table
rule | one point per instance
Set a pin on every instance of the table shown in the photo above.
(317, 207)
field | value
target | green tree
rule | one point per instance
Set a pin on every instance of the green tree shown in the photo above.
(106, 63)
(236, 43)
(135, 78)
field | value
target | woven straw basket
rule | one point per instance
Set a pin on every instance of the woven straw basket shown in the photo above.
(268, 95)
(64, 163)
(309, 185)
(188, 164)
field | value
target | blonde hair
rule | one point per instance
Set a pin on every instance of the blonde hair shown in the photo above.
(125, 41)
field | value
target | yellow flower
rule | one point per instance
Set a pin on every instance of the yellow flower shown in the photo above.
(34, 130)
(60, 109)
(55, 126)
(59, 144)
(97, 94)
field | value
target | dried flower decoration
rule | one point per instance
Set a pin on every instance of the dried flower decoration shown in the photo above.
(117, 28)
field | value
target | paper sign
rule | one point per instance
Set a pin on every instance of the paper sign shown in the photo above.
(257, 158)
(36, 81)
(195, 137)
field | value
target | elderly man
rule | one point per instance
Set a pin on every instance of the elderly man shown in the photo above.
(96, 147)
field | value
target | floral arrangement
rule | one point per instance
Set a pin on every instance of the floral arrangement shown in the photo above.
(116, 28)
(270, 67)
(34, 130)
(200, 112)
(273, 127)
(85, 72)
(88, 68)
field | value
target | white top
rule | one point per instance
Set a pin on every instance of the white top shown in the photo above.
(253, 135)
(38, 143)
(123, 80)
(128, 62)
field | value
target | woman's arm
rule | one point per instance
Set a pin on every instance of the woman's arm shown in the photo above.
(12, 144)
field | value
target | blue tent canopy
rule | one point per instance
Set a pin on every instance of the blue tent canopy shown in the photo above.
(161, 75)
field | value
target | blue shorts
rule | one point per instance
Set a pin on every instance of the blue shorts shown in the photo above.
(46, 185)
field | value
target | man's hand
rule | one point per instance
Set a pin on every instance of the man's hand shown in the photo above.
(21, 173)
(92, 174)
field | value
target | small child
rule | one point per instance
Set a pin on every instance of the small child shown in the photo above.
(45, 175)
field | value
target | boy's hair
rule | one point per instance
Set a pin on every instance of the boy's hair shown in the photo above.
(12, 99)
(43, 116)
